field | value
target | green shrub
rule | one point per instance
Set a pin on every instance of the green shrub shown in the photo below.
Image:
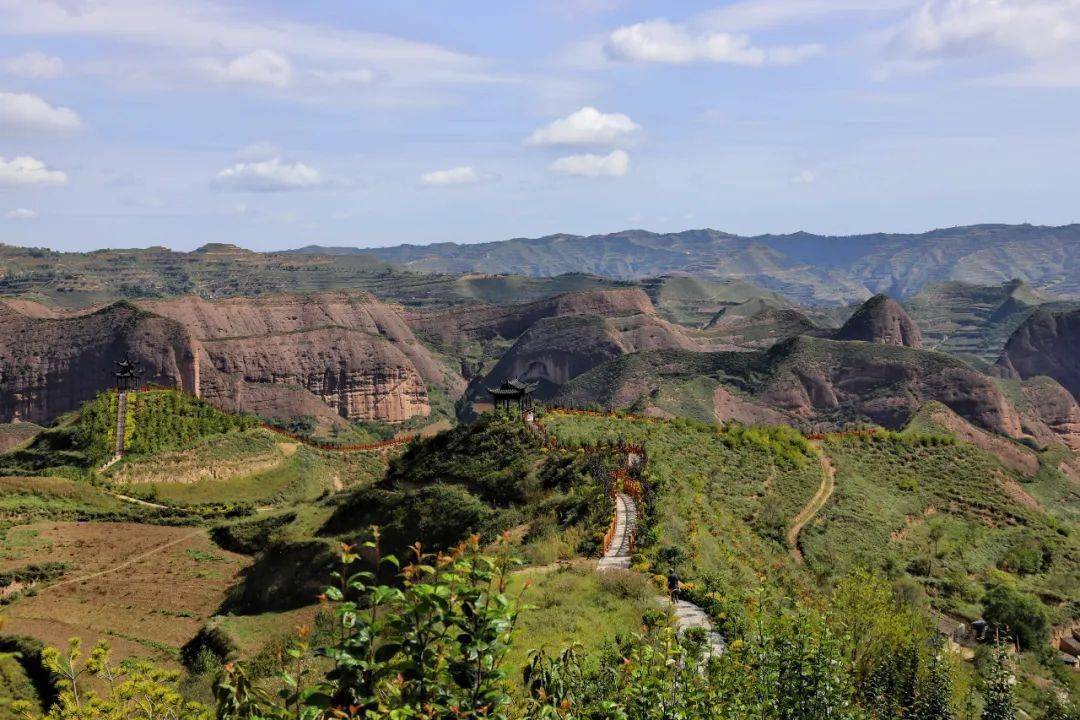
(1020, 615)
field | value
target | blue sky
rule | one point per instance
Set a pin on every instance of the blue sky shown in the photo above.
(130, 123)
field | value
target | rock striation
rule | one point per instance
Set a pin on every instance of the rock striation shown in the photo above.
(51, 366)
(881, 320)
(1045, 344)
(575, 333)
(333, 356)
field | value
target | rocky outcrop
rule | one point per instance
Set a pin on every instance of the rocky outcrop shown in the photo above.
(881, 320)
(757, 323)
(52, 366)
(1045, 344)
(807, 381)
(351, 352)
(591, 329)
(333, 356)
(486, 322)
(814, 378)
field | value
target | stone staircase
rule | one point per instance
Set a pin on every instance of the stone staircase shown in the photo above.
(618, 553)
(121, 427)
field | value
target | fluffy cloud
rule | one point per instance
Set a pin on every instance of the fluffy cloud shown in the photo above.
(660, 41)
(1045, 34)
(20, 214)
(616, 164)
(34, 64)
(587, 126)
(804, 177)
(25, 112)
(26, 171)
(271, 175)
(463, 175)
(965, 27)
(261, 67)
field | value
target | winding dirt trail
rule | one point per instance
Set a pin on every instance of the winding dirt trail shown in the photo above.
(136, 501)
(828, 484)
(127, 563)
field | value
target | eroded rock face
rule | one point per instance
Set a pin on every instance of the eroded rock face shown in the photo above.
(1047, 343)
(811, 378)
(333, 356)
(472, 323)
(350, 351)
(594, 327)
(52, 366)
(881, 320)
(358, 376)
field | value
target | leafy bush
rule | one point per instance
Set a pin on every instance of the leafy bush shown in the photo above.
(1028, 556)
(1016, 613)
(250, 536)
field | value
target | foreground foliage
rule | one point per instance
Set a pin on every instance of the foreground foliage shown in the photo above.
(434, 644)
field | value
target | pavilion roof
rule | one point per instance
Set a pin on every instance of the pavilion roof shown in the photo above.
(512, 388)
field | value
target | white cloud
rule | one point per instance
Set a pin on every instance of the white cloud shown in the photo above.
(1043, 34)
(191, 28)
(259, 67)
(617, 164)
(34, 64)
(356, 76)
(587, 126)
(20, 214)
(804, 177)
(271, 175)
(463, 175)
(26, 171)
(660, 41)
(25, 112)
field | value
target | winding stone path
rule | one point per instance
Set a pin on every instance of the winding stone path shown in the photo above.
(618, 555)
(687, 614)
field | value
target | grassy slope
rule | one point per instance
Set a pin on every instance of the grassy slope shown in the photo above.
(574, 604)
(893, 490)
(253, 466)
(12, 435)
(716, 488)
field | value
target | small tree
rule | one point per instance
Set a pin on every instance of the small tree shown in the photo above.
(1022, 614)
(135, 689)
(431, 646)
(998, 701)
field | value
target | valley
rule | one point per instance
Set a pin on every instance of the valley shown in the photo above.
(794, 455)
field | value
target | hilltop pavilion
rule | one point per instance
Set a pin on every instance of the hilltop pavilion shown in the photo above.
(127, 375)
(513, 392)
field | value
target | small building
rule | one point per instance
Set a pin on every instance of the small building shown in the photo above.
(127, 375)
(513, 393)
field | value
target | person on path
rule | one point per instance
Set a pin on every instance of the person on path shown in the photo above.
(673, 584)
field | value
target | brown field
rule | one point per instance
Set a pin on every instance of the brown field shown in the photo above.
(146, 589)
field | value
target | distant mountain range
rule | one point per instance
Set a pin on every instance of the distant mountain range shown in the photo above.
(809, 268)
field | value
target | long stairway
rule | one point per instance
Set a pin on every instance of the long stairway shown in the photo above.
(121, 427)
(121, 422)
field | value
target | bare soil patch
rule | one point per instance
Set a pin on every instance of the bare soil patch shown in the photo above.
(146, 589)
